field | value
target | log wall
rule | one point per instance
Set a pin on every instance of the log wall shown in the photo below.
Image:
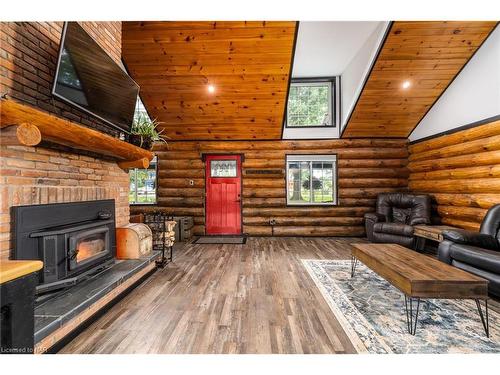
(462, 173)
(366, 168)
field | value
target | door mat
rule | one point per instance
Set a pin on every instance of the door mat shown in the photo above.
(235, 240)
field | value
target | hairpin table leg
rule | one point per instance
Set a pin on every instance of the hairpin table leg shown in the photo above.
(410, 320)
(484, 320)
(354, 263)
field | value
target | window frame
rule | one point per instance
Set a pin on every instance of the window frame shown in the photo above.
(313, 158)
(316, 81)
(156, 184)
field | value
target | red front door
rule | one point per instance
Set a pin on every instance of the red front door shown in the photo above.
(223, 194)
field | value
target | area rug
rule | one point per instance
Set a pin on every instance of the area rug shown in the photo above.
(372, 313)
(237, 240)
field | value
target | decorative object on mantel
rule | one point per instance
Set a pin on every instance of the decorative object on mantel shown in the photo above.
(145, 132)
(162, 227)
(371, 312)
(27, 126)
(133, 241)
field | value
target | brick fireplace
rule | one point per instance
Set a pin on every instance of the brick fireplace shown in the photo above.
(35, 175)
(41, 175)
(61, 200)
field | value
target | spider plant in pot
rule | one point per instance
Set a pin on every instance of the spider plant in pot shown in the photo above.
(145, 132)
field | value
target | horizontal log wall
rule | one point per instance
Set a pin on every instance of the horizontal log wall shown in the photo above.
(462, 173)
(366, 167)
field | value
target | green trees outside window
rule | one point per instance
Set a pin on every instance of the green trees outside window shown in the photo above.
(143, 185)
(311, 182)
(310, 104)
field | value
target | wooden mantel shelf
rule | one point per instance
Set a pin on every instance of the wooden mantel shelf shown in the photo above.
(25, 125)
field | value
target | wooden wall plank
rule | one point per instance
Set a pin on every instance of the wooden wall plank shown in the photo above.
(461, 171)
(367, 167)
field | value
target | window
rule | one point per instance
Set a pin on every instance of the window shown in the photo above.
(223, 168)
(142, 181)
(143, 184)
(311, 103)
(311, 179)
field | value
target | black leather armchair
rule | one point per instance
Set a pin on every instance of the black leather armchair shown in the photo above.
(477, 253)
(395, 215)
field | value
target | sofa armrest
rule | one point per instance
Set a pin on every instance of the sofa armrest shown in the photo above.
(420, 220)
(370, 219)
(375, 217)
(444, 251)
(467, 237)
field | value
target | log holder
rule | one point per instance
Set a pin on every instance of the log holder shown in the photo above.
(157, 221)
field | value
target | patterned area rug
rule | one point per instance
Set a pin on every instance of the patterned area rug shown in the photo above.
(372, 313)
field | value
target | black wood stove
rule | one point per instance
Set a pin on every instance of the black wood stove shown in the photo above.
(72, 239)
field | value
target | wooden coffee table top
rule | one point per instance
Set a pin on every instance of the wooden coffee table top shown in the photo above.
(418, 275)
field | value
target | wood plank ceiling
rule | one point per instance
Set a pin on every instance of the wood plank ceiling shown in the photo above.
(248, 64)
(426, 54)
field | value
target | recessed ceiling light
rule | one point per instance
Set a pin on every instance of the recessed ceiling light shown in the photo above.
(406, 84)
(211, 89)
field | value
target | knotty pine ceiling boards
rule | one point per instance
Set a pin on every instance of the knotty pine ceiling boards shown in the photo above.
(212, 80)
(416, 63)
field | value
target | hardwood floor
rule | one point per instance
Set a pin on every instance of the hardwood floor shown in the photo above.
(253, 298)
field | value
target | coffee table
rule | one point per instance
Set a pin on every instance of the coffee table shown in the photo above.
(419, 276)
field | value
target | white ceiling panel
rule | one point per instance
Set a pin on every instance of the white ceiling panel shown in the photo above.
(326, 48)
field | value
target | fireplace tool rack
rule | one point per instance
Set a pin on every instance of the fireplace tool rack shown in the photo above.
(162, 227)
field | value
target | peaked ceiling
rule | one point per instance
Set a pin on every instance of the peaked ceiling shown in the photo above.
(248, 64)
(426, 54)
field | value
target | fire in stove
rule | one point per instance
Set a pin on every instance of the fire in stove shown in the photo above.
(90, 247)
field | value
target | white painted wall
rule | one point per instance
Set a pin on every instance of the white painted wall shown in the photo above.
(358, 68)
(325, 48)
(312, 133)
(336, 48)
(474, 95)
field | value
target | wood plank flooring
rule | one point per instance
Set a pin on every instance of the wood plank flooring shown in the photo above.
(252, 298)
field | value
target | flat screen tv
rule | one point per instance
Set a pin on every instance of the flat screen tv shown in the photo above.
(88, 78)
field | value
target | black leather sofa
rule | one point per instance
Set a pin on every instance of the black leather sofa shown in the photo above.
(395, 215)
(477, 253)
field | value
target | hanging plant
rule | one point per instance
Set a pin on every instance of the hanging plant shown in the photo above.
(145, 132)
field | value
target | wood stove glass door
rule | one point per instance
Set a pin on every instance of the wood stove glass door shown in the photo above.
(87, 246)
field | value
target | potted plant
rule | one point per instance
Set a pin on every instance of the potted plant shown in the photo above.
(145, 131)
